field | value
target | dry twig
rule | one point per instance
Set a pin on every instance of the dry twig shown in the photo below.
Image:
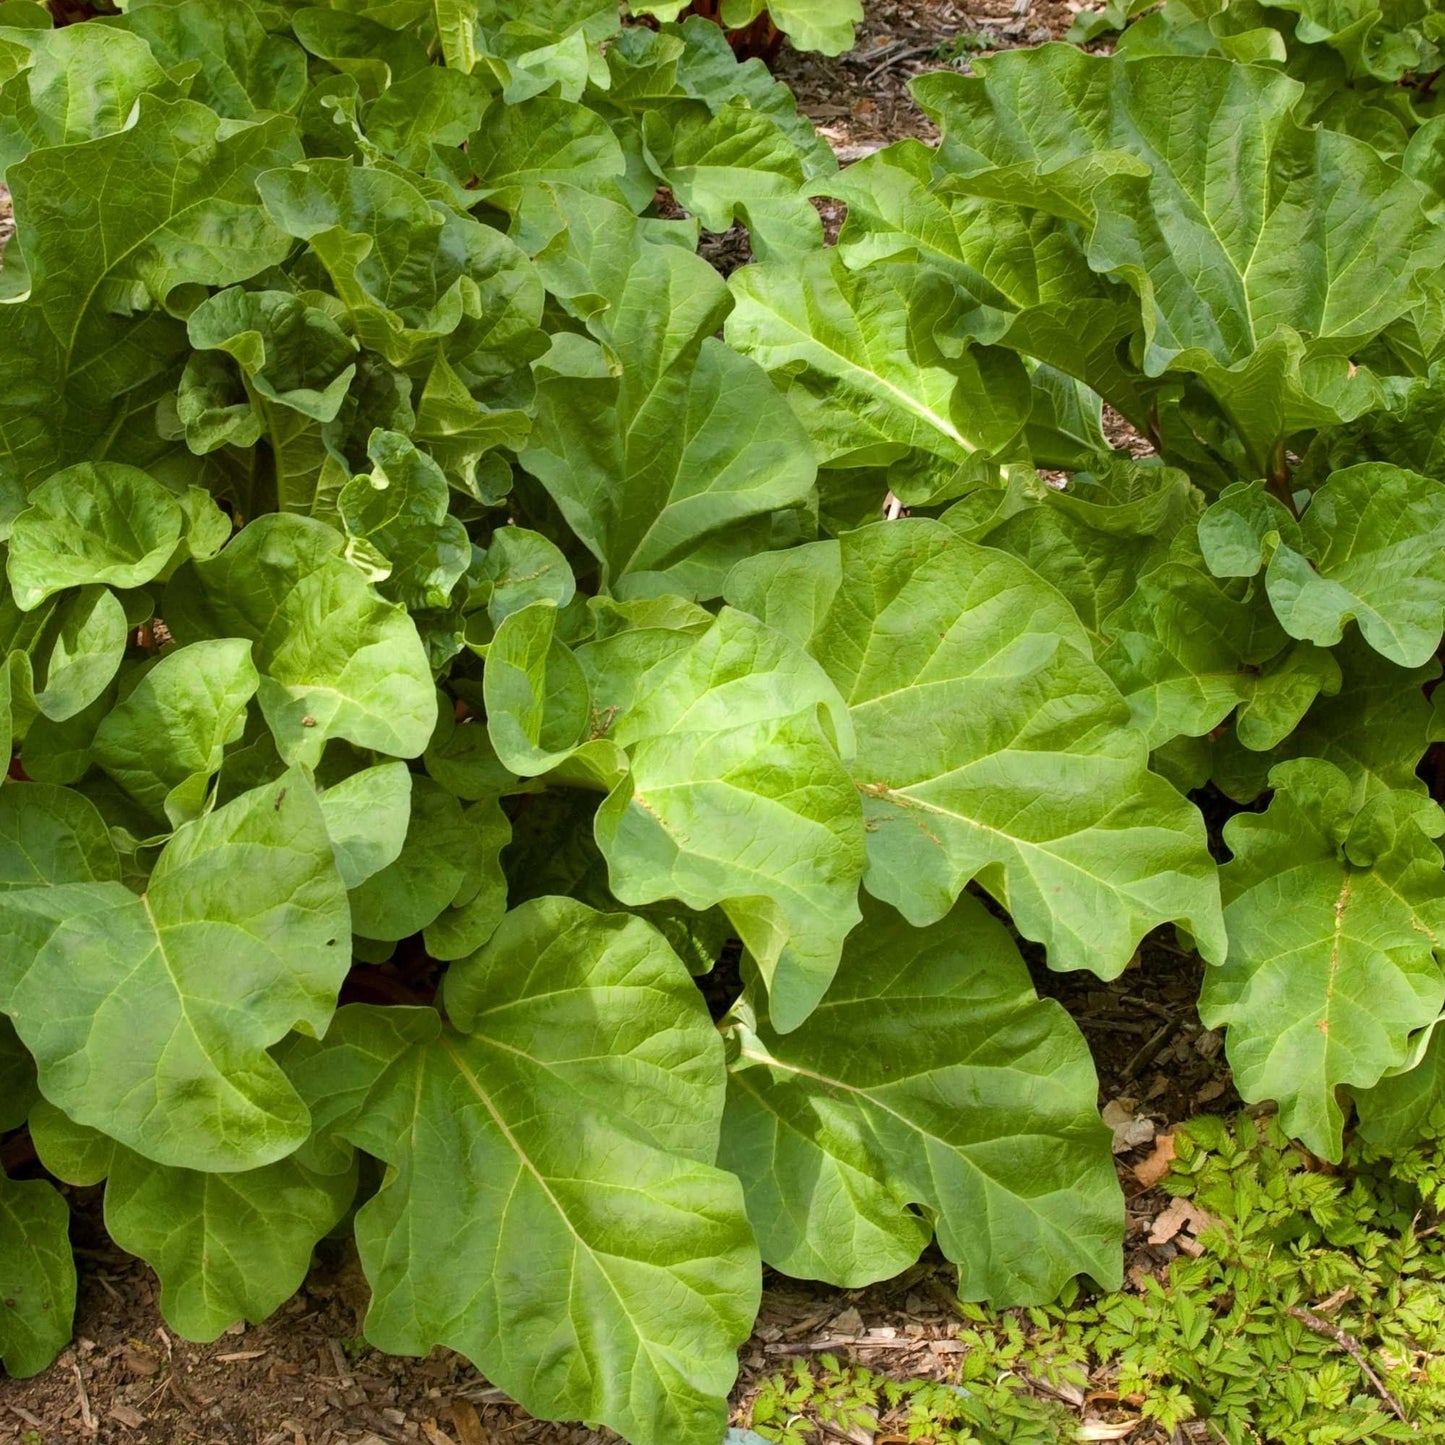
(1356, 1351)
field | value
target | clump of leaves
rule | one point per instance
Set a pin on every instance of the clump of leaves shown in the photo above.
(1368, 69)
(444, 617)
(814, 1399)
(757, 25)
(1247, 1336)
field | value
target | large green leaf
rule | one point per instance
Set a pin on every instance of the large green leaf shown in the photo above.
(972, 1100)
(735, 164)
(93, 522)
(432, 107)
(335, 659)
(665, 450)
(118, 996)
(1376, 729)
(1024, 273)
(88, 646)
(238, 68)
(292, 354)
(1372, 551)
(481, 900)
(539, 141)
(410, 891)
(990, 744)
(165, 741)
(1335, 913)
(552, 1210)
(859, 356)
(1185, 649)
(1259, 248)
(735, 793)
(111, 228)
(1402, 1108)
(367, 815)
(227, 1247)
(50, 836)
(539, 708)
(81, 81)
(37, 1275)
(1093, 540)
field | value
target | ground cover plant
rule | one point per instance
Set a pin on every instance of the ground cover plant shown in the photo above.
(447, 622)
(1311, 1312)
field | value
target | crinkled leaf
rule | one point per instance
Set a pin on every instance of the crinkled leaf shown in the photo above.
(134, 1030)
(481, 899)
(520, 567)
(436, 106)
(1091, 541)
(664, 449)
(708, 69)
(459, 431)
(735, 164)
(1376, 729)
(973, 1100)
(373, 54)
(80, 81)
(1023, 275)
(534, 142)
(238, 68)
(1240, 530)
(292, 354)
(397, 528)
(1334, 916)
(570, 1119)
(1184, 651)
(410, 270)
(1242, 232)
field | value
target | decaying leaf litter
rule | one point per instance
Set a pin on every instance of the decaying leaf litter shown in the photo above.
(307, 1377)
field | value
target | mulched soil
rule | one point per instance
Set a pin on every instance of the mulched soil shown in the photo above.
(306, 1377)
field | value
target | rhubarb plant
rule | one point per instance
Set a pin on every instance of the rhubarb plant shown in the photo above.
(445, 621)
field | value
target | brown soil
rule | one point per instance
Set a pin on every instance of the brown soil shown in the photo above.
(306, 1376)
